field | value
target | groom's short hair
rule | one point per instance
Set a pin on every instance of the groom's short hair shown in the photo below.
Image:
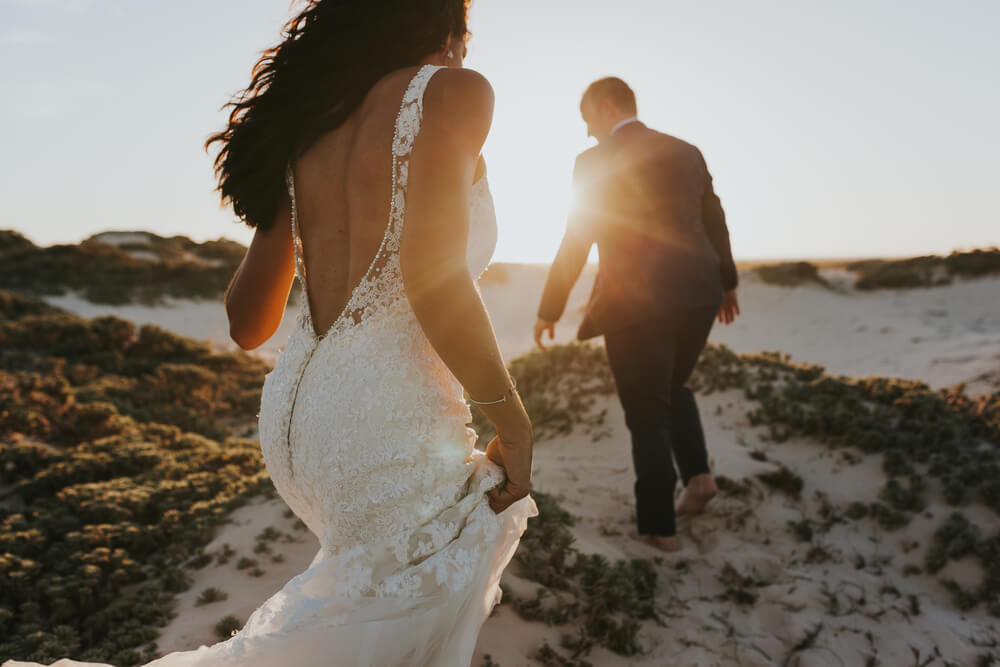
(611, 88)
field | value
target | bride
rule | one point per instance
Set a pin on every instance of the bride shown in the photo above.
(355, 154)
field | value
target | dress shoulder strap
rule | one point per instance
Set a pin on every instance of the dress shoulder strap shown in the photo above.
(411, 112)
(300, 265)
(408, 123)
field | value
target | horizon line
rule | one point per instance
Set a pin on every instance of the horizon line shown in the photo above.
(745, 262)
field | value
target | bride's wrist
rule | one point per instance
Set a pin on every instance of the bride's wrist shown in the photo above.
(517, 436)
(514, 428)
(510, 419)
(509, 395)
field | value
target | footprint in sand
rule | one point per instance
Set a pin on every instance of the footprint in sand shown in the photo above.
(699, 531)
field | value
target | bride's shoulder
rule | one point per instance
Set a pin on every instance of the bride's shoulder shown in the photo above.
(460, 84)
(462, 99)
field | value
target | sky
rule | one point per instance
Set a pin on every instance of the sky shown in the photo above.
(832, 129)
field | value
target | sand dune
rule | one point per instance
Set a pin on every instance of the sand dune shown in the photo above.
(846, 597)
(943, 335)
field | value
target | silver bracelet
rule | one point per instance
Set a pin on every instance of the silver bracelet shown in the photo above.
(503, 399)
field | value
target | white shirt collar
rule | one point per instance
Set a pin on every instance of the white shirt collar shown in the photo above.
(633, 119)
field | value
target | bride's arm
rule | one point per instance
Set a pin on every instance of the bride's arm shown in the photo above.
(257, 294)
(458, 111)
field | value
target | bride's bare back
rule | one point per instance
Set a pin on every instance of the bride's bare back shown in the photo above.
(343, 186)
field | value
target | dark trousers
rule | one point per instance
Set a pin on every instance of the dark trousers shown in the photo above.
(651, 363)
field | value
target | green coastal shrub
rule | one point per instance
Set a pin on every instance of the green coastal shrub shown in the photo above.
(13, 306)
(225, 628)
(790, 274)
(559, 389)
(980, 262)
(116, 274)
(604, 603)
(211, 595)
(927, 271)
(117, 466)
(12, 242)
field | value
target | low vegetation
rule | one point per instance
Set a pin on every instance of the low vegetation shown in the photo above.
(874, 274)
(791, 274)
(211, 595)
(600, 603)
(560, 389)
(929, 440)
(115, 466)
(225, 628)
(928, 271)
(120, 268)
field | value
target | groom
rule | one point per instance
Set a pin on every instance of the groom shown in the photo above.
(666, 272)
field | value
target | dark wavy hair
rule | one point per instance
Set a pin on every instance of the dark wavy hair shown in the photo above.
(331, 55)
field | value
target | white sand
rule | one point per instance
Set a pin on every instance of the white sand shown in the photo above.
(121, 238)
(144, 255)
(195, 625)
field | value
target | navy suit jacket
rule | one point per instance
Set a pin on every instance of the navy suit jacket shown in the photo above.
(646, 199)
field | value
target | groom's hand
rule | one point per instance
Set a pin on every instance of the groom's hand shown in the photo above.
(541, 326)
(730, 308)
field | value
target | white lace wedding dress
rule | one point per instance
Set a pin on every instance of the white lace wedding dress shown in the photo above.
(363, 431)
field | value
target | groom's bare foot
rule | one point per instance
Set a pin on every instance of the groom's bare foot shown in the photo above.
(665, 543)
(668, 544)
(698, 492)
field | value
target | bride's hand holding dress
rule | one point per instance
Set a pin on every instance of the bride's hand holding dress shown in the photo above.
(511, 449)
(515, 459)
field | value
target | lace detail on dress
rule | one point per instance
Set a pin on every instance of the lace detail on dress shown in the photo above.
(422, 559)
